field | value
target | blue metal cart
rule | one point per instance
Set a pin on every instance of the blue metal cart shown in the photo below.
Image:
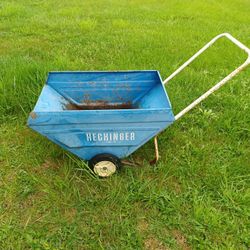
(105, 116)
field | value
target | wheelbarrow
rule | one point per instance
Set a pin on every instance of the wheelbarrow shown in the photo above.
(103, 117)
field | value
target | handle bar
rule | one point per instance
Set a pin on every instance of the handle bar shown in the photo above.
(219, 84)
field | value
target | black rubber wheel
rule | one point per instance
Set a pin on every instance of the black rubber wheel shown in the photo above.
(104, 165)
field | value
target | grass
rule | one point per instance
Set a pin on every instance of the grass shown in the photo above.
(196, 197)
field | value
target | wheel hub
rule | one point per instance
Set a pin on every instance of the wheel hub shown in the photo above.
(104, 168)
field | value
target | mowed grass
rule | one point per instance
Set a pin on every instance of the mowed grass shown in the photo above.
(196, 197)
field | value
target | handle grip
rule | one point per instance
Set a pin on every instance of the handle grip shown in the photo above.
(219, 84)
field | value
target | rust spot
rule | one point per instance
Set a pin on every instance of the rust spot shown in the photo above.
(99, 104)
(33, 115)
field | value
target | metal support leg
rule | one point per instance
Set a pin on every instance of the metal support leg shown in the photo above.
(155, 160)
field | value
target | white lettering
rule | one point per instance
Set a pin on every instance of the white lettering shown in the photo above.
(88, 136)
(105, 137)
(132, 136)
(99, 137)
(121, 136)
(127, 136)
(110, 136)
(115, 137)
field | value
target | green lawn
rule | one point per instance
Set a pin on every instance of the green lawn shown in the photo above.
(196, 197)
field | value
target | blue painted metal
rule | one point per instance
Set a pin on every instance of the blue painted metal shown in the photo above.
(87, 133)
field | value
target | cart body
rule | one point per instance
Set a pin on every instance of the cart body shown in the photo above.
(90, 113)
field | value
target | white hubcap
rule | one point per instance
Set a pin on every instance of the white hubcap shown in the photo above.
(104, 168)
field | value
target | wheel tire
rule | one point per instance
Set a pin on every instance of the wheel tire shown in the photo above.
(104, 165)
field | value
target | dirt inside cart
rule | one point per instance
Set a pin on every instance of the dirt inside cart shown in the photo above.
(99, 105)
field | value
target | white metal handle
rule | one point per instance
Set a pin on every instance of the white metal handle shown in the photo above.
(219, 84)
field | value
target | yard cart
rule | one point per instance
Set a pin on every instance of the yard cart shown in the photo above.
(103, 117)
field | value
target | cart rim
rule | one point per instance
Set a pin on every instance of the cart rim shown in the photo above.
(104, 168)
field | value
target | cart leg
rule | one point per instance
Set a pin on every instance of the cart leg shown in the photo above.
(155, 160)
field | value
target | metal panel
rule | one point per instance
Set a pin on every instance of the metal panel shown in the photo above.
(87, 133)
